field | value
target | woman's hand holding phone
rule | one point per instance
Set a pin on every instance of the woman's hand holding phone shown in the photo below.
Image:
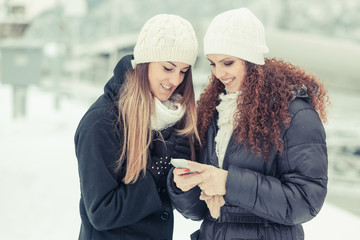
(183, 175)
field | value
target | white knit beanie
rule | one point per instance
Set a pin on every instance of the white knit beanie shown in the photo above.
(166, 37)
(237, 33)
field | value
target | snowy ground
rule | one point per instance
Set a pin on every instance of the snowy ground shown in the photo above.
(39, 181)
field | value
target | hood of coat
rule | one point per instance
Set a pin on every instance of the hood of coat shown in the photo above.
(112, 87)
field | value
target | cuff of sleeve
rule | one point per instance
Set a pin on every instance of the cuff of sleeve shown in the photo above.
(241, 187)
(175, 188)
(172, 184)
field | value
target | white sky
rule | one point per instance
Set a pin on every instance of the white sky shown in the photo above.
(34, 7)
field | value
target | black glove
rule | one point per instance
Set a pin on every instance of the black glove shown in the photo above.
(182, 147)
(159, 168)
(159, 150)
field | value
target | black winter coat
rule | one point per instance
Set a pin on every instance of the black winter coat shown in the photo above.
(109, 208)
(264, 200)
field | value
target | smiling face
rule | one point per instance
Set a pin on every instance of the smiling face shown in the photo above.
(165, 77)
(229, 70)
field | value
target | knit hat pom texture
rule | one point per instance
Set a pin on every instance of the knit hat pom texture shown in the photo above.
(166, 37)
(237, 33)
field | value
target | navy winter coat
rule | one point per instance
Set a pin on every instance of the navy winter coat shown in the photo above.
(264, 200)
(109, 208)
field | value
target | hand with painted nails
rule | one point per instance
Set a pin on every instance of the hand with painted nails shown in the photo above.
(185, 180)
(181, 163)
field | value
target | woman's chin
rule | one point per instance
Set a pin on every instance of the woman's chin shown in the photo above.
(163, 97)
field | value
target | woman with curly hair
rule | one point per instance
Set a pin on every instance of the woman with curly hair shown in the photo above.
(262, 163)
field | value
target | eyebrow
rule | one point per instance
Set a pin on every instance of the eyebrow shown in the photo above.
(172, 64)
(176, 66)
(221, 59)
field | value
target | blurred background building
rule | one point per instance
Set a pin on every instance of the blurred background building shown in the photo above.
(68, 49)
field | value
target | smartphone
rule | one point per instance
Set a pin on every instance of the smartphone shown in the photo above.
(181, 163)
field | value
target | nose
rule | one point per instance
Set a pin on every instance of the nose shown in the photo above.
(176, 78)
(218, 72)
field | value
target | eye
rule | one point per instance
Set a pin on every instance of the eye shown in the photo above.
(183, 72)
(228, 63)
(167, 69)
(212, 64)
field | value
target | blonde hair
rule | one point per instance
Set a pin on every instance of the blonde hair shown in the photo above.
(134, 105)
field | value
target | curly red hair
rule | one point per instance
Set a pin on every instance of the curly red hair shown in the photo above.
(263, 103)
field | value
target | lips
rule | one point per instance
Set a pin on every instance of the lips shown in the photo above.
(167, 87)
(228, 81)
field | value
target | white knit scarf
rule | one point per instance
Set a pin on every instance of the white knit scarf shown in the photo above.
(167, 113)
(226, 109)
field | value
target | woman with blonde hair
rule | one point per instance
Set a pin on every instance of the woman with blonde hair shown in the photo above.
(262, 166)
(124, 142)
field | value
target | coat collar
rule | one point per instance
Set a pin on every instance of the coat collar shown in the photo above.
(112, 87)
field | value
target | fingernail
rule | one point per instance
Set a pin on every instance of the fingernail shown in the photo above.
(187, 170)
